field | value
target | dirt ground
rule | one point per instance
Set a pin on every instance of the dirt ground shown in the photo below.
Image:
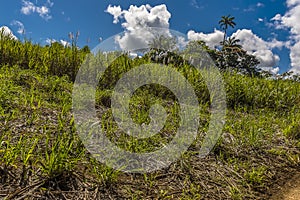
(290, 190)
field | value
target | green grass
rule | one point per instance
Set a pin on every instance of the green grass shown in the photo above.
(42, 157)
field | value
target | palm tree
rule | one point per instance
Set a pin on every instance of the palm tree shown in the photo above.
(225, 22)
(232, 42)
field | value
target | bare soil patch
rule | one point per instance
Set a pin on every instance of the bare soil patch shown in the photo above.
(290, 190)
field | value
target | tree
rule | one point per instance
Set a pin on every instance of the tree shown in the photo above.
(163, 50)
(233, 56)
(231, 42)
(225, 22)
(162, 42)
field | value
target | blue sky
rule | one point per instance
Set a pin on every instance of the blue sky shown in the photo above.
(267, 28)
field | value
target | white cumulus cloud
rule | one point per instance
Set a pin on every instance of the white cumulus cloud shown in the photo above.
(44, 11)
(290, 20)
(295, 57)
(275, 71)
(211, 39)
(276, 17)
(253, 44)
(258, 47)
(50, 41)
(136, 19)
(7, 31)
(63, 42)
(292, 2)
(115, 11)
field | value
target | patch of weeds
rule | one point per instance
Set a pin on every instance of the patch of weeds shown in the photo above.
(256, 176)
(191, 192)
(293, 130)
(235, 193)
(106, 176)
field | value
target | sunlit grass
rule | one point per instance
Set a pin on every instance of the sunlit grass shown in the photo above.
(41, 152)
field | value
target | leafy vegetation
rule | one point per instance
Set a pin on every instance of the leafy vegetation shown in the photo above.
(225, 22)
(42, 157)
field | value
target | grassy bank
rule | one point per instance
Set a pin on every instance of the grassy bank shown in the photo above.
(42, 157)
